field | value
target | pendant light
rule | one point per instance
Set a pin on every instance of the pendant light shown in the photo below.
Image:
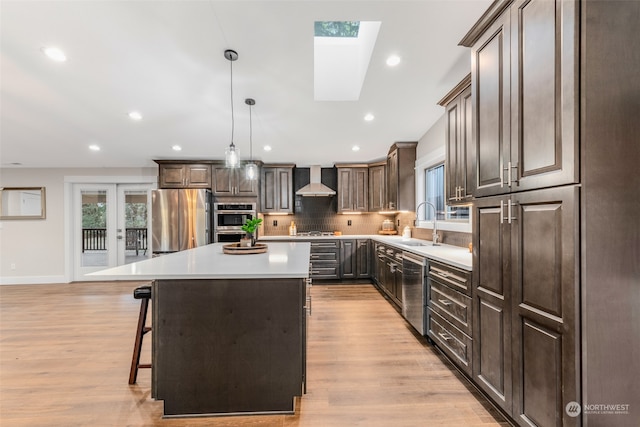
(231, 154)
(251, 169)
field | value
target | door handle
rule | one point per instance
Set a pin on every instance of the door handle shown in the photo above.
(444, 336)
(444, 302)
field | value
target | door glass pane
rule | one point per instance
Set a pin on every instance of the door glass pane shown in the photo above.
(135, 210)
(94, 228)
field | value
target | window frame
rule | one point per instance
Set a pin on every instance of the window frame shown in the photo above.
(429, 160)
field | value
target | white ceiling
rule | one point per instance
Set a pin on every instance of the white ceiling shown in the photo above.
(165, 59)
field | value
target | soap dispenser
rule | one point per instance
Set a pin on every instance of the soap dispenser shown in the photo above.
(293, 229)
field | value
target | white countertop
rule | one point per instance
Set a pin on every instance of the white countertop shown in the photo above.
(282, 260)
(452, 255)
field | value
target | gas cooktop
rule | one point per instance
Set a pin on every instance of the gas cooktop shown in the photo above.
(314, 233)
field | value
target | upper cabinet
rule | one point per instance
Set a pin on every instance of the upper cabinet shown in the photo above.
(183, 175)
(524, 86)
(401, 185)
(458, 136)
(377, 186)
(276, 189)
(353, 188)
(232, 182)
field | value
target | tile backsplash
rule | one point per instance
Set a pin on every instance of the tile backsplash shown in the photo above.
(319, 214)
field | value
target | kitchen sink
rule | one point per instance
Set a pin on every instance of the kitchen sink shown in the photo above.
(416, 243)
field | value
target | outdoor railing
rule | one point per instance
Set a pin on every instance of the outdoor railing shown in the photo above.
(95, 239)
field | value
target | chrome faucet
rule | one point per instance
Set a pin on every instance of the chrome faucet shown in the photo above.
(435, 236)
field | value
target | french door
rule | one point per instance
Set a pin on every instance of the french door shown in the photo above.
(111, 226)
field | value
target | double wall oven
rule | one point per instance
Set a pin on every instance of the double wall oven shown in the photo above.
(228, 219)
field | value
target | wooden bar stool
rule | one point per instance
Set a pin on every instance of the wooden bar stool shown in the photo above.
(143, 293)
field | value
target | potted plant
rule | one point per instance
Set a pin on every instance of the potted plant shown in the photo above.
(250, 228)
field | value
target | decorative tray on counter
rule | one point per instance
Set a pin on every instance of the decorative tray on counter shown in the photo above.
(387, 232)
(236, 249)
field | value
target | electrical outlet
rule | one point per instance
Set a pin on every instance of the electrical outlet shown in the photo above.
(13, 265)
(275, 223)
(398, 223)
(349, 223)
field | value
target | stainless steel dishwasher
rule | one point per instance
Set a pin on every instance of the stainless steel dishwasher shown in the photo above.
(414, 274)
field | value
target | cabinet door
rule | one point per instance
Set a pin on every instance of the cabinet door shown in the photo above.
(453, 141)
(491, 293)
(392, 180)
(544, 107)
(198, 176)
(348, 259)
(490, 84)
(363, 264)
(377, 188)
(172, 176)
(276, 187)
(360, 190)
(243, 185)
(285, 190)
(465, 165)
(345, 193)
(222, 185)
(545, 293)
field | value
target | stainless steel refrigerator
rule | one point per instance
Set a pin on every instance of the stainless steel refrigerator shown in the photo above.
(180, 219)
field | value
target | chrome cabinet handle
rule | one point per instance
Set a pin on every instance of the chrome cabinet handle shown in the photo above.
(444, 336)
(444, 302)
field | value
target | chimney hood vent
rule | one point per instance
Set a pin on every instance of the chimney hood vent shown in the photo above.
(315, 188)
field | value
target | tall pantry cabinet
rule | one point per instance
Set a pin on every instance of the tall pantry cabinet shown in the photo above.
(556, 286)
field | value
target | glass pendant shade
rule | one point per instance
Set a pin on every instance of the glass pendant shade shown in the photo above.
(251, 171)
(232, 156)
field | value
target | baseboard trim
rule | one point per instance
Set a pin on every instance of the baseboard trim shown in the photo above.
(32, 280)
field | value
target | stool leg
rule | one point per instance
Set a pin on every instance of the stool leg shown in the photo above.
(135, 360)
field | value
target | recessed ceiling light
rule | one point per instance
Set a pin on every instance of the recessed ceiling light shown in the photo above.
(176, 148)
(355, 148)
(94, 147)
(369, 117)
(135, 115)
(54, 53)
(267, 148)
(393, 60)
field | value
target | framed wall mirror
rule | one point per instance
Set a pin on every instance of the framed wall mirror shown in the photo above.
(22, 203)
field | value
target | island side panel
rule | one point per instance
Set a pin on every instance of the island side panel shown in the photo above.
(228, 346)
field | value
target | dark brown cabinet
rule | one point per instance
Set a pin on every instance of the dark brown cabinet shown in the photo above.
(232, 182)
(525, 298)
(449, 312)
(377, 187)
(388, 272)
(181, 175)
(325, 259)
(401, 186)
(353, 189)
(524, 86)
(354, 259)
(276, 189)
(458, 167)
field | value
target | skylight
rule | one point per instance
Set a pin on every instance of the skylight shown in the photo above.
(337, 28)
(341, 59)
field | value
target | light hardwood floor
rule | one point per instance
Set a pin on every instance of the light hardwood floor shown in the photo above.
(65, 352)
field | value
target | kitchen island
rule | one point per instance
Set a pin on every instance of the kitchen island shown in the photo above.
(229, 331)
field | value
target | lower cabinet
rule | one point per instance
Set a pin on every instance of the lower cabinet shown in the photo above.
(388, 271)
(354, 259)
(526, 354)
(325, 259)
(449, 313)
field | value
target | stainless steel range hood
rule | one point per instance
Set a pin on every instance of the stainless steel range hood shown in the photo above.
(315, 188)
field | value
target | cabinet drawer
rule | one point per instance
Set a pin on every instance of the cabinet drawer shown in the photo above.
(323, 245)
(324, 256)
(325, 270)
(453, 277)
(453, 342)
(452, 305)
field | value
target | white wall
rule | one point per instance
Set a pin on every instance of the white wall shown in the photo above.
(37, 247)
(434, 139)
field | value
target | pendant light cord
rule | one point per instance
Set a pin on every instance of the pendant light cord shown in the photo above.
(232, 118)
(250, 133)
